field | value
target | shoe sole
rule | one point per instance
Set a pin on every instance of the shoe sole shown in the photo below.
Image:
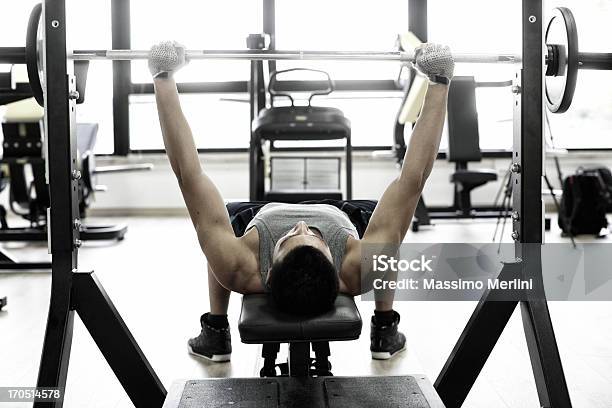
(217, 358)
(385, 355)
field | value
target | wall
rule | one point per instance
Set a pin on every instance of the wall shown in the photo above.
(156, 191)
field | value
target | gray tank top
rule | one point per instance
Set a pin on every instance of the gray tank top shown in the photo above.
(274, 220)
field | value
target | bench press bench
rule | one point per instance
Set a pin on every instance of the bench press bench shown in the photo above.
(261, 323)
(302, 382)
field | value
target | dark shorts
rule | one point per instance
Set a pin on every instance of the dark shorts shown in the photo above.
(358, 211)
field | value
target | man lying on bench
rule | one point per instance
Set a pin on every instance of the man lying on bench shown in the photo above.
(301, 254)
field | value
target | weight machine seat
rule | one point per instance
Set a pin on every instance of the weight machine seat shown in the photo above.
(473, 177)
(297, 196)
(260, 322)
(302, 123)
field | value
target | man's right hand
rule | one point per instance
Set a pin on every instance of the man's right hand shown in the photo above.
(166, 58)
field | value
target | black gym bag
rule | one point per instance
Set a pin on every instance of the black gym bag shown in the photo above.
(606, 177)
(586, 197)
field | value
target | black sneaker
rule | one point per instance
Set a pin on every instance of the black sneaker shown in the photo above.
(212, 344)
(386, 341)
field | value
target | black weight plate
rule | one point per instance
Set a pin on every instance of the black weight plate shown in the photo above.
(32, 54)
(562, 33)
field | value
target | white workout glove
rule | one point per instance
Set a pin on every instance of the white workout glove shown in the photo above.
(166, 58)
(435, 61)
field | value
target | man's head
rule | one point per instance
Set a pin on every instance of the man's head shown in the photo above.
(303, 279)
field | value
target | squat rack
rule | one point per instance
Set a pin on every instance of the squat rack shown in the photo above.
(489, 319)
(74, 291)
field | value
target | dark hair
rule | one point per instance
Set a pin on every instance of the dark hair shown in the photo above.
(304, 281)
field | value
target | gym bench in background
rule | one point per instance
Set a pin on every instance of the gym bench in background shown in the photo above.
(463, 148)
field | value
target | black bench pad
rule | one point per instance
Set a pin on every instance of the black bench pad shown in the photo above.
(260, 322)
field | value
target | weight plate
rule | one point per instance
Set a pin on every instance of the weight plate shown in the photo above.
(32, 54)
(562, 34)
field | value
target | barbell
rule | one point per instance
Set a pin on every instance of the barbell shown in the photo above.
(266, 55)
(562, 58)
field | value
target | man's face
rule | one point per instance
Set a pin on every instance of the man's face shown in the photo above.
(300, 235)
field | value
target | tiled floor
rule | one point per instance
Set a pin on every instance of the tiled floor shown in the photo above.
(157, 280)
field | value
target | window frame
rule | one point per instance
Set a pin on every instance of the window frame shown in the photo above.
(123, 87)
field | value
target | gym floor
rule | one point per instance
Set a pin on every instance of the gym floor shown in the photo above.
(156, 279)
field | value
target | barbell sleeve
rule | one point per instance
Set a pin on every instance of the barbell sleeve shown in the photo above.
(289, 55)
(595, 60)
(12, 55)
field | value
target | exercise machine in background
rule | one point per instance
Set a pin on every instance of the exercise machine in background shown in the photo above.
(14, 93)
(463, 142)
(299, 178)
(24, 176)
(463, 148)
(28, 189)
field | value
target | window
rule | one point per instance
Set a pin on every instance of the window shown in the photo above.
(13, 22)
(82, 33)
(13, 25)
(470, 26)
(198, 24)
(94, 33)
(495, 118)
(476, 26)
(372, 115)
(343, 25)
(221, 120)
(217, 121)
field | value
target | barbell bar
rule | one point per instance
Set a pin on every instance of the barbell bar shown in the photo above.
(586, 60)
(15, 55)
(265, 55)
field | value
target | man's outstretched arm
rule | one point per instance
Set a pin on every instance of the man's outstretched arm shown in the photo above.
(203, 200)
(391, 218)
